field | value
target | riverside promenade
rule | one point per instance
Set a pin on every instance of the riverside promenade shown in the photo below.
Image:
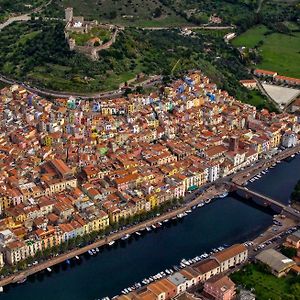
(211, 192)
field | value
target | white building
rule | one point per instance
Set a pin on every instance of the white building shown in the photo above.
(289, 139)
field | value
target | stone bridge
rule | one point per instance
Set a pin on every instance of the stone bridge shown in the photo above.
(264, 200)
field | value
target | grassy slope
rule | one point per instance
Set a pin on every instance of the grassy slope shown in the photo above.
(251, 37)
(280, 52)
(141, 12)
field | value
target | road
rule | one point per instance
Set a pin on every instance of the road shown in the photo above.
(24, 17)
(155, 79)
(188, 27)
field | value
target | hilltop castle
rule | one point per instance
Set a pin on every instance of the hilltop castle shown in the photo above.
(77, 24)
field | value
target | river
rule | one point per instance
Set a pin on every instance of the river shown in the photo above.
(226, 220)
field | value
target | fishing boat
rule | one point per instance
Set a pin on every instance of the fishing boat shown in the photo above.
(137, 233)
(49, 269)
(77, 257)
(111, 243)
(207, 201)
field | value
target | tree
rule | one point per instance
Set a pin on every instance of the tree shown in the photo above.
(112, 15)
(289, 251)
(157, 12)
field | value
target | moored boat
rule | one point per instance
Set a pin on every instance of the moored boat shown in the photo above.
(225, 194)
(22, 280)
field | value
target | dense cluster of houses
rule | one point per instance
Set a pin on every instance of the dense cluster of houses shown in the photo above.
(69, 167)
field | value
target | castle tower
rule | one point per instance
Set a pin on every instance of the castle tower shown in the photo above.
(69, 14)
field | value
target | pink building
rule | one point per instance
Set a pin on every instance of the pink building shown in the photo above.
(220, 288)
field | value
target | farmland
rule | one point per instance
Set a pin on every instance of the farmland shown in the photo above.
(278, 51)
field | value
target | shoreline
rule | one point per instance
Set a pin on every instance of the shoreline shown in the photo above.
(211, 192)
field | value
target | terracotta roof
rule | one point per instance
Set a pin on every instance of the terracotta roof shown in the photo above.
(206, 266)
(229, 252)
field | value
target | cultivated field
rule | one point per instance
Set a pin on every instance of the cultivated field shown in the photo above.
(280, 52)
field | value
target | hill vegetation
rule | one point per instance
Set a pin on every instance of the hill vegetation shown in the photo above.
(127, 12)
(37, 52)
(13, 7)
(243, 13)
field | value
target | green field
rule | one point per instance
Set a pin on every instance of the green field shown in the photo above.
(251, 37)
(266, 286)
(279, 52)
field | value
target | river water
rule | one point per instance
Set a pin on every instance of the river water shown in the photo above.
(224, 221)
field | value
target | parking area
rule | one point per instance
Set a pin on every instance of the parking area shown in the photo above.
(281, 95)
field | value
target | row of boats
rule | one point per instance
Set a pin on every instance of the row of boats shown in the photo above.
(167, 272)
(258, 176)
(159, 224)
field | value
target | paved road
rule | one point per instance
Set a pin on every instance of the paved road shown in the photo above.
(156, 79)
(188, 27)
(24, 17)
(264, 92)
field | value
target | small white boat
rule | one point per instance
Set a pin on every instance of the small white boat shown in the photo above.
(225, 194)
(153, 226)
(90, 252)
(111, 243)
(125, 237)
(97, 249)
(166, 220)
(49, 269)
(148, 228)
(138, 233)
(77, 257)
